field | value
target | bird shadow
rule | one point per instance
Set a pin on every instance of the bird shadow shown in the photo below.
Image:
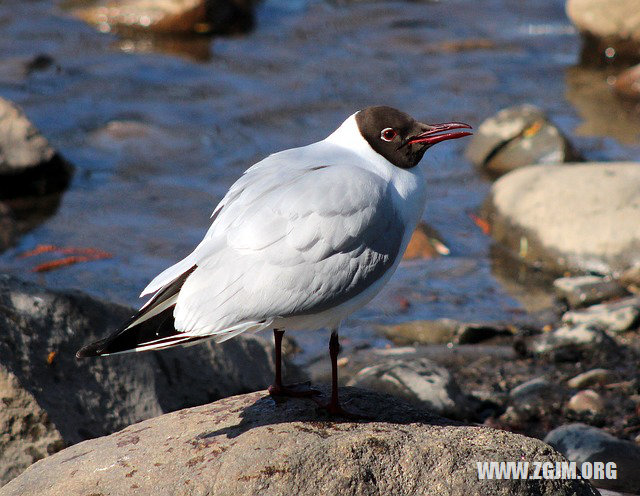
(261, 409)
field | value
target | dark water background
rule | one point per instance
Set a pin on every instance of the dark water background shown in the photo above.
(159, 131)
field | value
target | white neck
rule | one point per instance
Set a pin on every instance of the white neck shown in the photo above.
(348, 136)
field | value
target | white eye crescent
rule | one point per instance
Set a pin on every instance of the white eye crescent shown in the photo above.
(388, 134)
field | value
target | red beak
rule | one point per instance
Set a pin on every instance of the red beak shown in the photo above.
(431, 136)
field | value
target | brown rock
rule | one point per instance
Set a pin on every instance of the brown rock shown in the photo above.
(516, 137)
(252, 444)
(586, 401)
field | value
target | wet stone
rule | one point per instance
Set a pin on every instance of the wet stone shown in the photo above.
(440, 331)
(443, 331)
(168, 16)
(590, 378)
(616, 317)
(515, 137)
(583, 291)
(29, 166)
(583, 443)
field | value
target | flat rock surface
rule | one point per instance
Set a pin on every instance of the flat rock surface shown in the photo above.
(582, 216)
(252, 444)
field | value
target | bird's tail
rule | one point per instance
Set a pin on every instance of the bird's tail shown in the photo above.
(151, 328)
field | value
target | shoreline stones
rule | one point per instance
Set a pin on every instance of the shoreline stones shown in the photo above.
(254, 444)
(516, 137)
(582, 217)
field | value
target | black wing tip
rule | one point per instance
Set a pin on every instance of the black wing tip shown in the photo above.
(91, 350)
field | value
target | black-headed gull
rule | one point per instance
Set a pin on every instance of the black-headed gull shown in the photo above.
(303, 239)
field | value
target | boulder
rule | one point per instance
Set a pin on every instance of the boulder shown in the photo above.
(168, 16)
(28, 163)
(611, 28)
(40, 332)
(515, 137)
(419, 381)
(582, 217)
(583, 443)
(252, 444)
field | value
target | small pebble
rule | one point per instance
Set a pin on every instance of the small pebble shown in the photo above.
(591, 377)
(586, 401)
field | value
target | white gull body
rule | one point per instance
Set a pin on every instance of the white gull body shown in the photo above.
(303, 239)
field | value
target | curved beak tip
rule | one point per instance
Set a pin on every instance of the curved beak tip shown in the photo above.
(433, 134)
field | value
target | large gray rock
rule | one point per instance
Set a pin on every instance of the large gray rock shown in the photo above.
(419, 381)
(28, 163)
(611, 27)
(40, 332)
(583, 443)
(578, 217)
(252, 444)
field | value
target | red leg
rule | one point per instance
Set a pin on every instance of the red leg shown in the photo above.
(277, 388)
(333, 407)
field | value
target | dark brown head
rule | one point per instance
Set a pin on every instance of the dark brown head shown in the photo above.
(401, 139)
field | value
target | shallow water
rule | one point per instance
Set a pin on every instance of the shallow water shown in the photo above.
(159, 131)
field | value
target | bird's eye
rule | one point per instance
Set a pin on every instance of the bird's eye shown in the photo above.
(388, 134)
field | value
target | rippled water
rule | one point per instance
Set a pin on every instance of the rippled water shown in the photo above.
(159, 130)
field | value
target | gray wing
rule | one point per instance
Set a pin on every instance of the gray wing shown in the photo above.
(289, 242)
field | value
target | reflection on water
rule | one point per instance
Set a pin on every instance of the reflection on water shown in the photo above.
(602, 112)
